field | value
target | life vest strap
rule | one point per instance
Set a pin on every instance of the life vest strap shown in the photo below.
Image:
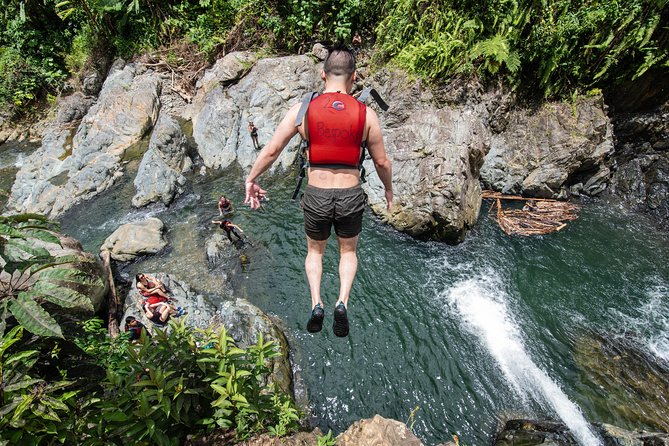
(362, 97)
(304, 107)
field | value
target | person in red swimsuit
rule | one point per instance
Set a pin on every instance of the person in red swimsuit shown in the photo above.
(152, 289)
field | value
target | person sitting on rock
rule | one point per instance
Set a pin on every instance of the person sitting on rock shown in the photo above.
(150, 287)
(160, 312)
(225, 206)
(134, 328)
(229, 229)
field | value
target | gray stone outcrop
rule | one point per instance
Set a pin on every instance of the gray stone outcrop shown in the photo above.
(160, 175)
(541, 153)
(226, 70)
(641, 178)
(243, 321)
(220, 117)
(134, 239)
(436, 154)
(69, 169)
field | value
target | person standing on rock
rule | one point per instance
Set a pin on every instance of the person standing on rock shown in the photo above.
(336, 126)
(253, 130)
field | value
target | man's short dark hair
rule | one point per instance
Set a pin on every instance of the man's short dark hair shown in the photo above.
(340, 62)
(130, 319)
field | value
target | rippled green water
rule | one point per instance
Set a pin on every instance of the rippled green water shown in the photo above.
(469, 334)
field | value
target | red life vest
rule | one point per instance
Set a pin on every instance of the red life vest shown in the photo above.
(336, 123)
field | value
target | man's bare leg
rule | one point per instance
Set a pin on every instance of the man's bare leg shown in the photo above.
(348, 266)
(313, 265)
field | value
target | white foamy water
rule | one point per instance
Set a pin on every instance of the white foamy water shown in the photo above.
(655, 319)
(482, 307)
(20, 161)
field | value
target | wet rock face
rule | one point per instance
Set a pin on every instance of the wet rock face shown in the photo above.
(642, 157)
(542, 153)
(134, 239)
(436, 153)
(263, 96)
(534, 432)
(634, 385)
(547, 432)
(69, 169)
(160, 175)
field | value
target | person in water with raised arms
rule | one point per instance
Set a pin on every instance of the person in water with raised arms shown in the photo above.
(336, 126)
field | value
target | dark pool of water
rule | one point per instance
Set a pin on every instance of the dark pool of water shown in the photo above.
(468, 334)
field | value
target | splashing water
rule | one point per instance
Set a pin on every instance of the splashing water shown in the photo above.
(482, 306)
(655, 318)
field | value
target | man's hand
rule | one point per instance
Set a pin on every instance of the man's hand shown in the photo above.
(389, 199)
(254, 194)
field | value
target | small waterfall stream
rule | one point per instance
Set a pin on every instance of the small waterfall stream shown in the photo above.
(483, 307)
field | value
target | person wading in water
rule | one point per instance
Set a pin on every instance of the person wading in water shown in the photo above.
(336, 126)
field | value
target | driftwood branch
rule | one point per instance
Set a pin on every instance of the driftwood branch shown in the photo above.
(113, 301)
(537, 217)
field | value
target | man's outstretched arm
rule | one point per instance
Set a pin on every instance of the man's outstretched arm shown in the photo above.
(377, 151)
(282, 135)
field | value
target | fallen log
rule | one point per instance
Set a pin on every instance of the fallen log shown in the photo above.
(112, 299)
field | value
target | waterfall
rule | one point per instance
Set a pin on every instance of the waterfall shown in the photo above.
(481, 304)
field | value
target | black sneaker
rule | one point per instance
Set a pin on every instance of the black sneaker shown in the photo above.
(340, 325)
(315, 323)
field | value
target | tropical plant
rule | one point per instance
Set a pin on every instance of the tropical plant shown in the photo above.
(326, 440)
(174, 384)
(31, 278)
(32, 410)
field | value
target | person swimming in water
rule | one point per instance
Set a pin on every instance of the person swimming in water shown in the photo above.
(230, 229)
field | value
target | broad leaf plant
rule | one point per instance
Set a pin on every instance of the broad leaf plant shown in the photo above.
(33, 280)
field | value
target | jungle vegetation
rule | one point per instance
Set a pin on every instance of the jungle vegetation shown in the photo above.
(551, 48)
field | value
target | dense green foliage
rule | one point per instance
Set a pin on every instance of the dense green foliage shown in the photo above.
(151, 393)
(554, 47)
(31, 277)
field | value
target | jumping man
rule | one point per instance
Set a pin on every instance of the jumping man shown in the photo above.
(336, 125)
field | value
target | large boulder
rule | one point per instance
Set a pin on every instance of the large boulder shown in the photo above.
(200, 309)
(378, 431)
(220, 117)
(245, 322)
(437, 152)
(69, 169)
(541, 153)
(226, 70)
(535, 432)
(135, 239)
(160, 175)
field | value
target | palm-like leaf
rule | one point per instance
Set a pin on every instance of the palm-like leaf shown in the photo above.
(31, 276)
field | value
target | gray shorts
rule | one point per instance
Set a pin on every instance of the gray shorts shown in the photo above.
(324, 208)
